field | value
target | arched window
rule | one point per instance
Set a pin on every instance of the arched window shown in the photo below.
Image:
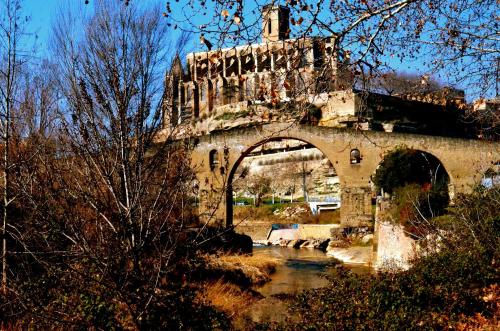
(269, 28)
(213, 159)
(196, 100)
(355, 156)
(210, 95)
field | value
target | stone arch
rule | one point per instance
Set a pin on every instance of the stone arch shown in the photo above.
(460, 178)
(436, 166)
(247, 63)
(463, 167)
(233, 166)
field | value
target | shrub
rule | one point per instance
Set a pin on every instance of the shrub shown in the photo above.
(407, 166)
(440, 291)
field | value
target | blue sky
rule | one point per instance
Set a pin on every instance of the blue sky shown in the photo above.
(43, 12)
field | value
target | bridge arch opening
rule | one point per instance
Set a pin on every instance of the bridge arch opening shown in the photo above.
(282, 180)
(415, 183)
(491, 176)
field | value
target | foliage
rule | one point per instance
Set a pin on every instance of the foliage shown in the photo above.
(412, 203)
(439, 291)
(231, 116)
(406, 166)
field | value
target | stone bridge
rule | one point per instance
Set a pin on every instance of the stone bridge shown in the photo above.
(216, 157)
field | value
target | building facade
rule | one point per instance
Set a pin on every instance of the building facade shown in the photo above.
(276, 70)
(306, 80)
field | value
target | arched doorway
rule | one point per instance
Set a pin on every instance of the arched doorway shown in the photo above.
(283, 180)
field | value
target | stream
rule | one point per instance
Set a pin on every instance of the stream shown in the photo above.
(301, 269)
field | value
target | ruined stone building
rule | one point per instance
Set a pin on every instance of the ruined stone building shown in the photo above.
(282, 79)
(271, 71)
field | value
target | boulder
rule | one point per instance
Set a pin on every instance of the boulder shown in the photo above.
(367, 238)
(295, 243)
(305, 244)
(323, 244)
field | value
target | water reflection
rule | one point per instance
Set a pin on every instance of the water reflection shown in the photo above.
(302, 269)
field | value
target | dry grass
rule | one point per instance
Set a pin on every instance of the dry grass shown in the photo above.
(266, 265)
(227, 297)
(326, 217)
(242, 270)
(10, 327)
(262, 214)
(478, 322)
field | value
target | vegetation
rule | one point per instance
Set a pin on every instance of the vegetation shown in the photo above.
(418, 184)
(231, 116)
(94, 232)
(94, 229)
(454, 287)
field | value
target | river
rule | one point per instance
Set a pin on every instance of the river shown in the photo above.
(299, 270)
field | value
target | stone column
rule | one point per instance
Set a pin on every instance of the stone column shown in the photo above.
(238, 56)
(272, 61)
(256, 61)
(356, 209)
(224, 66)
(209, 68)
(181, 102)
(310, 56)
(195, 69)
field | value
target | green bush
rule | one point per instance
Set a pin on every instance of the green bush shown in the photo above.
(405, 166)
(412, 205)
(438, 291)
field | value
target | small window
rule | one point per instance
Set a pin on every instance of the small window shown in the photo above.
(269, 29)
(213, 159)
(355, 156)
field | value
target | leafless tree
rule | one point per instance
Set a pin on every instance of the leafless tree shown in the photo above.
(12, 59)
(398, 83)
(130, 189)
(258, 185)
(456, 39)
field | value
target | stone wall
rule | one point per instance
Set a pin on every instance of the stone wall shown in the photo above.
(464, 160)
(394, 247)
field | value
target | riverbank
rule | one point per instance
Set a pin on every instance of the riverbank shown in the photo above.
(354, 247)
(257, 288)
(230, 281)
